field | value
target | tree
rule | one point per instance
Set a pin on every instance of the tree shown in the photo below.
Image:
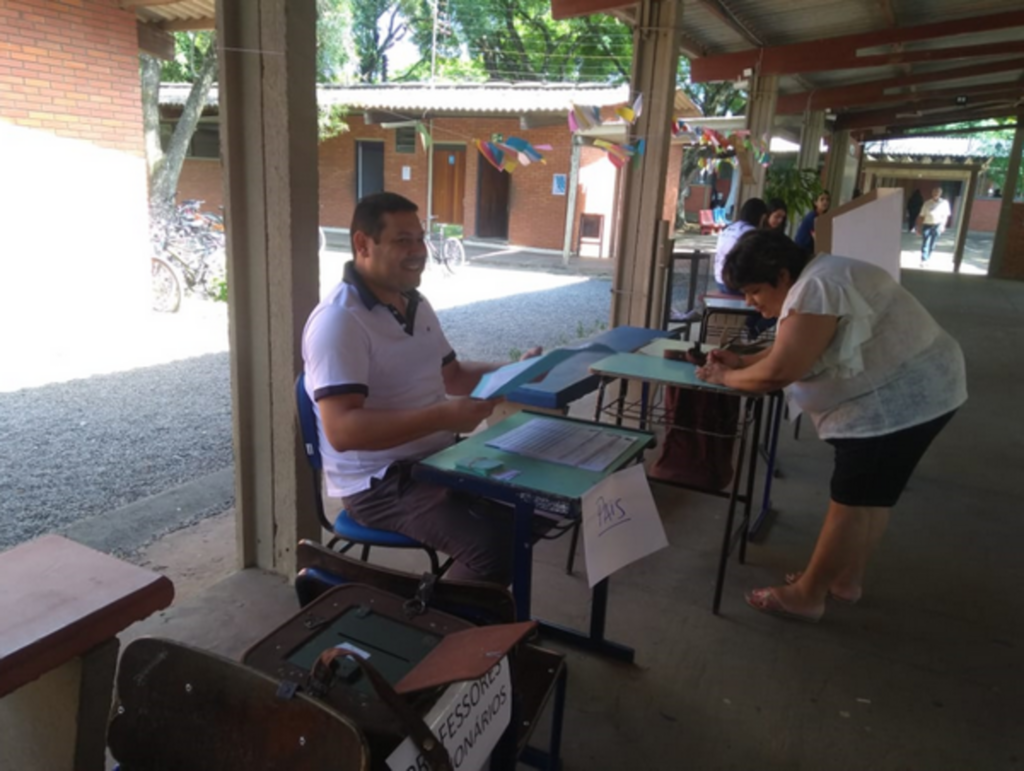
(997, 144)
(517, 40)
(164, 166)
(371, 43)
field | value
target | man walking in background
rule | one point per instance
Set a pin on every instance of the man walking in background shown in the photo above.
(931, 222)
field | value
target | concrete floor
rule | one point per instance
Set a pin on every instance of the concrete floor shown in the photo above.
(925, 673)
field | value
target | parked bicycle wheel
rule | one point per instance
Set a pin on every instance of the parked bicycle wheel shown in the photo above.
(166, 286)
(454, 253)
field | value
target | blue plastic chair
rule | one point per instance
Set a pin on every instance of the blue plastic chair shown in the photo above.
(344, 528)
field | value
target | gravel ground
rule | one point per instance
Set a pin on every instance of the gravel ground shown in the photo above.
(81, 448)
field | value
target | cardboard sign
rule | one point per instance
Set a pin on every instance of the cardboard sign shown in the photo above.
(469, 718)
(620, 523)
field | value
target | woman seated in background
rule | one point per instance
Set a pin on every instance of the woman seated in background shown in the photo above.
(752, 215)
(873, 370)
(778, 215)
(804, 237)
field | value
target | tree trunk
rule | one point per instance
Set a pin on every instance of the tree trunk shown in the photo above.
(164, 173)
(150, 72)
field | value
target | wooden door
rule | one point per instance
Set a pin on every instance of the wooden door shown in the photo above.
(449, 183)
(492, 201)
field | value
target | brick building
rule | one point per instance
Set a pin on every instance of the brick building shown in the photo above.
(73, 179)
(383, 150)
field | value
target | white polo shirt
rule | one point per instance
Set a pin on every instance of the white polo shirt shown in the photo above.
(354, 343)
(935, 212)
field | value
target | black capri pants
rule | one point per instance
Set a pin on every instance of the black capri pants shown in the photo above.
(874, 471)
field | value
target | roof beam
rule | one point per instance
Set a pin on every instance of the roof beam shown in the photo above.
(870, 92)
(567, 9)
(146, 3)
(724, 14)
(187, 25)
(155, 41)
(899, 134)
(841, 52)
(896, 116)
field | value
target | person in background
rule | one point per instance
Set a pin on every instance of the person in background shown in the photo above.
(931, 222)
(778, 215)
(914, 209)
(873, 370)
(753, 215)
(805, 233)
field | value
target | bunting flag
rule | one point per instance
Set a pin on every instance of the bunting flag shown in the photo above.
(582, 118)
(523, 150)
(496, 156)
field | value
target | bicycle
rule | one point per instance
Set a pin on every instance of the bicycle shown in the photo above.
(444, 245)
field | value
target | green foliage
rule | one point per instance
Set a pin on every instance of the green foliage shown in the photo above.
(712, 99)
(797, 187)
(189, 54)
(376, 26)
(997, 144)
(332, 40)
(514, 354)
(517, 40)
(330, 121)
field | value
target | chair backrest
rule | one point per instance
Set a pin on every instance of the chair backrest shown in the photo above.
(311, 445)
(308, 424)
(707, 217)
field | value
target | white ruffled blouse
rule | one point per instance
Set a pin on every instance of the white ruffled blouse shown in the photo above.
(890, 366)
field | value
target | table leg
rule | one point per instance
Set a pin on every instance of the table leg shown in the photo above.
(600, 399)
(622, 402)
(751, 477)
(728, 535)
(645, 393)
(766, 503)
(522, 559)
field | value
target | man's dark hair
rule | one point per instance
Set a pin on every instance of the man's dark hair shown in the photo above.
(368, 217)
(753, 211)
(759, 257)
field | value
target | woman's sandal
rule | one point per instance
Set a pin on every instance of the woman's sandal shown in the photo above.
(765, 601)
(792, 578)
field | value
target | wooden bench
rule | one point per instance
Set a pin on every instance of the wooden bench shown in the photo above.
(61, 608)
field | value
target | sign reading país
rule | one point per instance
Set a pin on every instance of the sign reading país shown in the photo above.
(469, 718)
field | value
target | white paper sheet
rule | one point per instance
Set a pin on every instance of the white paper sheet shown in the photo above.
(620, 523)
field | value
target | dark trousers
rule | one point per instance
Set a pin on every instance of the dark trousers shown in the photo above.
(930, 234)
(476, 532)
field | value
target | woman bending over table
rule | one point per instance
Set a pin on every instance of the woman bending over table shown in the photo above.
(873, 370)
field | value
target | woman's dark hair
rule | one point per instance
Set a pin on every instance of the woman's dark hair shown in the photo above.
(759, 257)
(775, 204)
(369, 214)
(753, 211)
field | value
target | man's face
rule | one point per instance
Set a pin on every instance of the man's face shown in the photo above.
(936, 193)
(395, 262)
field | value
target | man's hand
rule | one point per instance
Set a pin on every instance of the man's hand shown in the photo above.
(464, 415)
(532, 353)
(713, 372)
(727, 359)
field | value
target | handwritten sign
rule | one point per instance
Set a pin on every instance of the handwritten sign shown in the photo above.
(469, 718)
(620, 523)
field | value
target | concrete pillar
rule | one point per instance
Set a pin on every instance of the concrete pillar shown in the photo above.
(810, 140)
(1001, 241)
(841, 169)
(269, 143)
(572, 186)
(655, 58)
(964, 220)
(764, 92)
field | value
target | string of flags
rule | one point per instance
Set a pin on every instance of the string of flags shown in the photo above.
(510, 153)
(724, 146)
(583, 118)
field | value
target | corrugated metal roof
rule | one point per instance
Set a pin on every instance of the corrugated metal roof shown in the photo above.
(178, 14)
(960, 147)
(415, 99)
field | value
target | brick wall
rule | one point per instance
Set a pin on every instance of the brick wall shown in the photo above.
(536, 215)
(985, 214)
(73, 181)
(71, 67)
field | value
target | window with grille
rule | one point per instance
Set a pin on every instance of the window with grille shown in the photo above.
(405, 139)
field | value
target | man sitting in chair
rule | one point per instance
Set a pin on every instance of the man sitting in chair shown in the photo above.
(379, 370)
